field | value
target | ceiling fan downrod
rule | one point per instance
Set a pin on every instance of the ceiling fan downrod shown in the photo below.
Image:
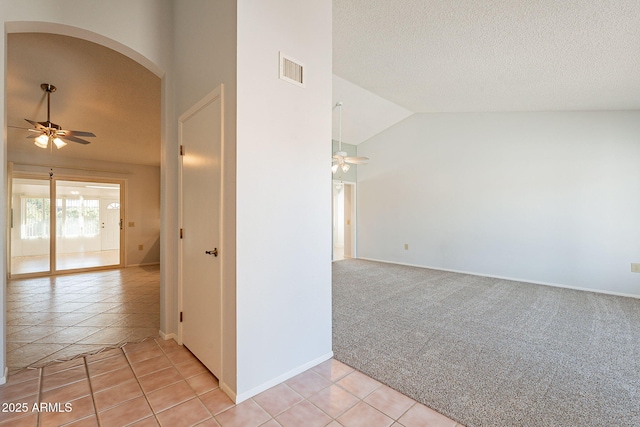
(340, 152)
(49, 88)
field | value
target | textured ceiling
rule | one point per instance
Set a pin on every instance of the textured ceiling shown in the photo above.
(491, 55)
(99, 90)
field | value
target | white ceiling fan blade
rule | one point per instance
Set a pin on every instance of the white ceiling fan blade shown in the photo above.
(357, 160)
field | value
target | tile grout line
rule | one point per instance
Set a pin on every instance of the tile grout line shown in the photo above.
(213, 417)
(415, 402)
(40, 381)
(93, 399)
(140, 385)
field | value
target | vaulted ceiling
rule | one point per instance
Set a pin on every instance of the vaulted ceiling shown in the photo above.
(98, 90)
(391, 59)
(491, 55)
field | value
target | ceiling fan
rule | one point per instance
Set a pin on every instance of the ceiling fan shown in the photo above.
(46, 132)
(340, 158)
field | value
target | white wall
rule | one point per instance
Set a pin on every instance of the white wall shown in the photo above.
(283, 224)
(140, 29)
(364, 114)
(542, 197)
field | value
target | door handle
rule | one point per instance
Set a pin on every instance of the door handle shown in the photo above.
(214, 252)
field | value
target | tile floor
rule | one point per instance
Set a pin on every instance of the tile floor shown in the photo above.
(57, 317)
(156, 382)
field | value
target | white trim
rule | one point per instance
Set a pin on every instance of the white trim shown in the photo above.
(513, 279)
(239, 398)
(170, 336)
(3, 379)
(228, 391)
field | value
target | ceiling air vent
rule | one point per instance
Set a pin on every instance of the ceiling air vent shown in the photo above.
(291, 70)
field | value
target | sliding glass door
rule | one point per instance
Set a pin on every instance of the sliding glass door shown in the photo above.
(87, 224)
(87, 219)
(30, 226)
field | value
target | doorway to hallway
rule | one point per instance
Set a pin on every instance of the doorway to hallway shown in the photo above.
(343, 219)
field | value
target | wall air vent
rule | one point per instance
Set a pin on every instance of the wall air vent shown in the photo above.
(291, 70)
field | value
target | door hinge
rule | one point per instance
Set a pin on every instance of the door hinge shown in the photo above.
(182, 150)
(181, 316)
(181, 233)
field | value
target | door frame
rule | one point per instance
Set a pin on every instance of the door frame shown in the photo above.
(354, 216)
(53, 271)
(217, 92)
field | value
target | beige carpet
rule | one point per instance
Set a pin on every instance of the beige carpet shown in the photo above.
(489, 352)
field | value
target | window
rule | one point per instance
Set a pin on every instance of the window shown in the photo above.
(35, 220)
(78, 217)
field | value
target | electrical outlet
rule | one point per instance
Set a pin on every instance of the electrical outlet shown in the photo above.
(406, 246)
(635, 267)
(140, 247)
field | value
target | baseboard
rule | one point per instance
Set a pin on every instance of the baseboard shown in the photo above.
(238, 398)
(513, 279)
(170, 336)
(5, 377)
(145, 264)
(227, 390)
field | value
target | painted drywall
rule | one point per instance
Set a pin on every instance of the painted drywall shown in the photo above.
(205, 34)
(142, 196)
(283, 224)
(542, 197)
(140, 29)
(364, 114)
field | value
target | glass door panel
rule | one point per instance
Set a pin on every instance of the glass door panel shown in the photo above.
(30, 226)
(87, 224)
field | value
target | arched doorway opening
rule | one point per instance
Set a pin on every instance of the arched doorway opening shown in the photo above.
(141, 239)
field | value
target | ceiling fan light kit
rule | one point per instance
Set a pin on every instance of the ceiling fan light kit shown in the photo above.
(340, 158)
(46, 133)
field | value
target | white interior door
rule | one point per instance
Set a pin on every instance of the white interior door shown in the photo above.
(201, 140)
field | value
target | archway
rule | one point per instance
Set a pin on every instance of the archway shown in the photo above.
(83, 34)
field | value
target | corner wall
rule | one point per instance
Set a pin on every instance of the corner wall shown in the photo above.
(540, 197)
(205, 55)
(283, 223)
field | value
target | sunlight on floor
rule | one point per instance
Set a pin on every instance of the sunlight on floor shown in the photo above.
(33, 264)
